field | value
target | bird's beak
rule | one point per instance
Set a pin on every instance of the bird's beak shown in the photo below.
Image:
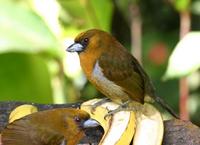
(76, 47)
(90, 123)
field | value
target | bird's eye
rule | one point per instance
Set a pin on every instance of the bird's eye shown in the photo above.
(86, 40)
(77, 119)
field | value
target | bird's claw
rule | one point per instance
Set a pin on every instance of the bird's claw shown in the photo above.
(123, 107)
(110, 113)
(94, 106)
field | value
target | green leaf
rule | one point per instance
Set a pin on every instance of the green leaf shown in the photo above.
(185, 58)
(195, 7)
(181, 5)
(24, 77)
(103, 13)
(87, 14)
(22, 30)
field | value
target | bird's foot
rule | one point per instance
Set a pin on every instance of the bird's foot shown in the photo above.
(127, 106)
(122, 107)
(104, 100)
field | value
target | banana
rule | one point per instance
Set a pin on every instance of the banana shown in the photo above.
(150, 128)
(144, 127)
(118, 129)
(21, 111)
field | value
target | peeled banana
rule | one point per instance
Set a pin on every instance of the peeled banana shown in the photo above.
(150, 129)
(142, 127)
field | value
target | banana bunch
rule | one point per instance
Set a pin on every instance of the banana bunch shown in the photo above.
(144, 127)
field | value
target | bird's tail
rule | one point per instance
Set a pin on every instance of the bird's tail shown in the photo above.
(166, 106)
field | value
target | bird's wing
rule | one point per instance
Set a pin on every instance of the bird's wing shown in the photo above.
(123, 71)
(16, 133)
(25, 132)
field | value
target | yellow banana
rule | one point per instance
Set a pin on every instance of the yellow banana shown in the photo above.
(21, 111)
(149, 130)
(118, 129)
(144, 127)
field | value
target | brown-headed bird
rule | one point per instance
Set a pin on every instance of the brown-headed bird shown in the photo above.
(51, 127)
(112, 69)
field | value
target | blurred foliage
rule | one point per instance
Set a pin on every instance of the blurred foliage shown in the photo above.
(181, 5)
(22, 30)
(85, 14)
(24, 77)
(188, 46)
(35, 33)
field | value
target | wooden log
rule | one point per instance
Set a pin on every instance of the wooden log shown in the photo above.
(178, 132)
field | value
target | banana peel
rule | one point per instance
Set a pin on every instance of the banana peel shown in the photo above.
(150, 128)
(118, 129)
(144, 127)
(21, 111)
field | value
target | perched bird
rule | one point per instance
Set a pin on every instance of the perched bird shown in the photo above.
(112, 69)
(51, 127)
